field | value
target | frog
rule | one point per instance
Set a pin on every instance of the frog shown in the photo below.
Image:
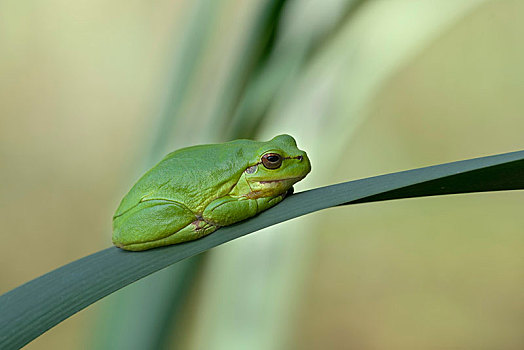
(194, 191)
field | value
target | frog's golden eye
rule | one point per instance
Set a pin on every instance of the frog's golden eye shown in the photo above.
(272, 160)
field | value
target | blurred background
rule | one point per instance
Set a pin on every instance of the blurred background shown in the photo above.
(92, 93)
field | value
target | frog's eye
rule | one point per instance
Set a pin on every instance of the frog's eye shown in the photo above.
(272, 160)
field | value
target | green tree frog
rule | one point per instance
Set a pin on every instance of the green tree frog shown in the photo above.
(195, 190)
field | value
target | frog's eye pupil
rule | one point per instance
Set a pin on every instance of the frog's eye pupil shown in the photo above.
(272, 160)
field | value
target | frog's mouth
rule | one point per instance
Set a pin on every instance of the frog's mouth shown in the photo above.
(289, 179)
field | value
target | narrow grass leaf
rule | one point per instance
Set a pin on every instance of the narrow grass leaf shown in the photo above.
(33, 308)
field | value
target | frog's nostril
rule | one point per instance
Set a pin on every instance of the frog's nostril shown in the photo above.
(299, 158)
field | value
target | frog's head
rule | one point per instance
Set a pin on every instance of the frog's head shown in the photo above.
(278, 165)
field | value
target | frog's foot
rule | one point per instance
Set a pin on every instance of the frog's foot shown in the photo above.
(202, 225)
(194, 230)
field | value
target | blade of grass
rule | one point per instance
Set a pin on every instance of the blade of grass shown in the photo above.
(256, 49)
(286, 61)
(33, 308)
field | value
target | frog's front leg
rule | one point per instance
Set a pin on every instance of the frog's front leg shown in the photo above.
(228, 210)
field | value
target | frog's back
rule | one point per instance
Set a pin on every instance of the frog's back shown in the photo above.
(192, 176)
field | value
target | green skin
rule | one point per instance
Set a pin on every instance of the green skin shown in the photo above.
(195, 190)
